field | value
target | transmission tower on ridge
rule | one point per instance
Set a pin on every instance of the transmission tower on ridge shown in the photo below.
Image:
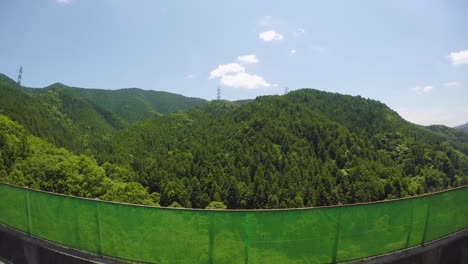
(218, 93)
(286, 90)
(20, 74)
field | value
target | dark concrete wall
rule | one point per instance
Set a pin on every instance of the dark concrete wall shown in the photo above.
(19, 248)
(450, 250)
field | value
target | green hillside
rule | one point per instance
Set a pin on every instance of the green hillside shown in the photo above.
(307, 148)
(30, 161)
(134, 104)
(458, 139)
(81, 119)
(58, 115)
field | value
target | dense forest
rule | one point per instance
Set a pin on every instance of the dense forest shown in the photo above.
(305, 148)
(76, 118)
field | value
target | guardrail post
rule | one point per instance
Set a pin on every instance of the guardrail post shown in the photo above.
(247, 227)
(429, 202)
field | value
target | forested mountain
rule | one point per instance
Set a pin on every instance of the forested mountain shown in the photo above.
(29, 161)
(57, 115)
(134, 104)
(463, 127)
(458, 139)
(306, 148)
(79, 119)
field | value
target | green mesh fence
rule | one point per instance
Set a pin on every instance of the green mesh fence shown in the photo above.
(161, 235)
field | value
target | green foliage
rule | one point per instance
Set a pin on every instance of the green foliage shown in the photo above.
(175, 205)
(29, 161)
(131, 192)
(57, 115)
(216, 205)
(133, 105)
(307, 148)
(80, 120)
(458, 138)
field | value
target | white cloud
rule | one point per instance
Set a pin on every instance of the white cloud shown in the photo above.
(292, 52)
(190, 76)
(63, 2)
(459, 58)
(270, 35)
(298, 32)
(422, 89)
(244, 80)
(234, 74)
(224, 69)
(248, 59)
(453, 84)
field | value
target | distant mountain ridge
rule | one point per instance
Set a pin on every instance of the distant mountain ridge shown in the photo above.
(76, 118)
(134, 104)
(463, 127)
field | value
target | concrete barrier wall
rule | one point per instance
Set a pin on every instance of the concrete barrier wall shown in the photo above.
(452, 249)
(19, 248)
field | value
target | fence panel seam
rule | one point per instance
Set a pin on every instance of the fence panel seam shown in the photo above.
(28, 206)
(426, 224)
(98, 216)
(247, 230)
(337, 237)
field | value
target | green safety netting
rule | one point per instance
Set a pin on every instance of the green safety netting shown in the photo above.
(162, 235)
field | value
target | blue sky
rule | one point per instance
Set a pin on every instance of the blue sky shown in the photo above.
(410, 55)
